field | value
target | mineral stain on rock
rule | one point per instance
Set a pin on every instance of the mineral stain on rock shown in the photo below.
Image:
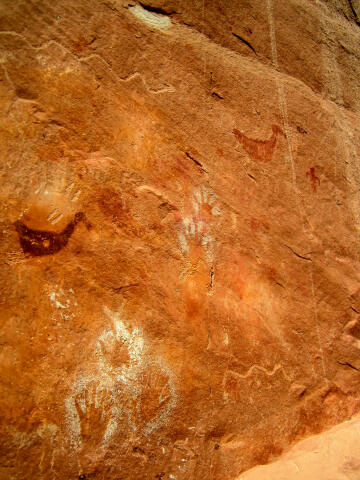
(41, 242)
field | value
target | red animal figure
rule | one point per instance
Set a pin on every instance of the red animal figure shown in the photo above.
(260, 150)
(313, 178)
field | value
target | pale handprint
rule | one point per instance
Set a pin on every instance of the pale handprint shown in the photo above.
(119, 350)
(114, 351)
(198, 244)
(204, 204)
(93, 408)
(195, 231)
(195, 239)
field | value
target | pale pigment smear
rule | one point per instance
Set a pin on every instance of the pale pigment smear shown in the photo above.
(64, 301)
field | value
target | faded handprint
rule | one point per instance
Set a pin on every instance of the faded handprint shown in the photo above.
(120, 350)
(156, 393)
(198, 244)
(157, 398)
(204, 204)
(93, 408)
(195, 231)
(114, 351)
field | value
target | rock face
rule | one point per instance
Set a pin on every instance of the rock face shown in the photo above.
(180, 288)
(330, 455)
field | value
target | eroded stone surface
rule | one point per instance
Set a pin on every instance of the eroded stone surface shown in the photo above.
(330, 455)
(180, 234)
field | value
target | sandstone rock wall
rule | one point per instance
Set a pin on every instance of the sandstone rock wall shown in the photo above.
(180, 233)
(332, 454)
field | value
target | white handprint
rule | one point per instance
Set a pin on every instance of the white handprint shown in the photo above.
(195, 228)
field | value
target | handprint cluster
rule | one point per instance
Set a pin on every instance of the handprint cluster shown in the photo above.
(131, 387)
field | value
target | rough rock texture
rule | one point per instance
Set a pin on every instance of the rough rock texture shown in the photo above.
(180, 288)
(332, 455)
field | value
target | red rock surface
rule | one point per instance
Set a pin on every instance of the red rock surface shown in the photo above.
(180, 289)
